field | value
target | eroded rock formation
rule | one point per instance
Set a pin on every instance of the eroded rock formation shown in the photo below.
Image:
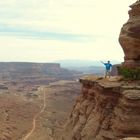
(108, 109)
(130, 37)
(105, 111)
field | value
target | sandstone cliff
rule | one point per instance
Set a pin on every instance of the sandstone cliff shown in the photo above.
(130, 37)
(105, 111)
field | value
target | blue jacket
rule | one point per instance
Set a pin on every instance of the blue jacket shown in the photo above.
(108, 66)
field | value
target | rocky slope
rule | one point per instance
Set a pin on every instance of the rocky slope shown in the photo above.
(105, 111)
(130, 37)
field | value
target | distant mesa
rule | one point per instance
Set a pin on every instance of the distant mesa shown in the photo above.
(28, 71)
(28, 68)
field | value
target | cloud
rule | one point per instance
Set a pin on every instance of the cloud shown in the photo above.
(25, 32)
(45, 30)
(75, 16)
(51, 50)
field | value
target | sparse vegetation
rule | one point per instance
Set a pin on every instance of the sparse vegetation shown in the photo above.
(129, 73)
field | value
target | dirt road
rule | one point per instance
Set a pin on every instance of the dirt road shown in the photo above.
(36, 116)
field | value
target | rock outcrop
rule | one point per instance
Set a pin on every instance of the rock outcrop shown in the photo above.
(130, 37)
(105, 111)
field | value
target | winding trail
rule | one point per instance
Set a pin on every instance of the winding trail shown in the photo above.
(36, 116)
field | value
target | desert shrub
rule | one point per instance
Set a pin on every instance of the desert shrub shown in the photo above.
(129, 73)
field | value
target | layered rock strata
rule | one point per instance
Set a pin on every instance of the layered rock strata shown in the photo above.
(105, 111)
(130, 37)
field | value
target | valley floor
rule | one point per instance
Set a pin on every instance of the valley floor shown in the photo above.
(39, 115)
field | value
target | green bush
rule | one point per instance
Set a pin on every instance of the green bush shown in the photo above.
(129, 73)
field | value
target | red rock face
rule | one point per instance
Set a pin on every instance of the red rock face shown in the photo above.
(130, 37)
(105, 111)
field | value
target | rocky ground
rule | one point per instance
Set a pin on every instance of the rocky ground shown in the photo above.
(20, 107)
(16, 113)
(60, 97)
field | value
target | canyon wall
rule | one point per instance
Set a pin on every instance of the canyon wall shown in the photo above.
(32, 71)
(105, 111)
(28, 68)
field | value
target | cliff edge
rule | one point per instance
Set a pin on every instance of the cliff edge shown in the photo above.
(105, 111)
(109, 109)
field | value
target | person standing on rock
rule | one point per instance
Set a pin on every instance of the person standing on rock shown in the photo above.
(108, 67)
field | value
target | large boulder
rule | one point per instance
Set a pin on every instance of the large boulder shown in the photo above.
(130, 37)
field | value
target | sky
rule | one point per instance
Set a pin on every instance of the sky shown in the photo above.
(50, 30)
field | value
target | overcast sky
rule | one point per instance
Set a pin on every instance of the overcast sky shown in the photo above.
(48, 30)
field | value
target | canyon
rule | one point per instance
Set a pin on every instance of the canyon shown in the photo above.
(31, 100)
(42, 101)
